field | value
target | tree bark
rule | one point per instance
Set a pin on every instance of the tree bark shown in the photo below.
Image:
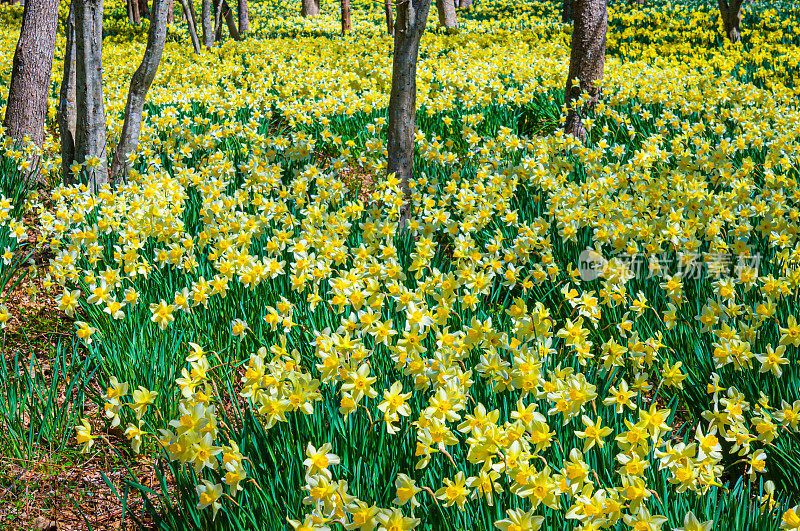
(208, 24)
(345, 16)
(66, 101)
(137, 16)
(26, 108)
(587, 61)
(447, 14)
(387, 8)
(230, 21)
(90, 124)
(217, 21)
(188, 15)
(244, 17)
(464, 4)
(171, 12)
(412, 16)
(144, 9)
(140, 84)
(731, 13)
(567, 11)
(310, 8)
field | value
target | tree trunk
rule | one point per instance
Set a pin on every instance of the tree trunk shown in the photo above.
(140, 84)
(171, 12)
(217, 21)
(90, 124)
(586, 63)
(129, 9)
(345, 16)
(567, 11)
(409, 27)
(310, 8)
(387, 8)
(447, 14)
(26, 109)
(66, 101)
(731, 14)
(230, 21)
(144, 9)
(194, 15)
(244, 17)
(464, 4)
(188, 15)
(208, 24)
(137, 16)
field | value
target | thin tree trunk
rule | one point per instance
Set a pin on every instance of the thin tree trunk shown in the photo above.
(345, 16)
(230, 21)
(447, 14)
(66, 101)
(586, 63)
(387, 8)
(408, 29)
(217, 21)
(244, 17)
(137, 16)
(194, 14)
(90, 124)
(129, 9)
(567, 11)
(32, 67)
(144, 9)
(731, 14)
(310, 8)
(188, 15)
(140, 84)
(208, 24)
(171, 12)
(464, 4)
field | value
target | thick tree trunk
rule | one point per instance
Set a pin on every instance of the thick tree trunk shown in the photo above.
(244, 17)
(26, 108)
(90, 124)
(464, 4)
(66, 101)
(567, 11)
(188, 15)
(586, 63)
(408, 29)
(345, 16)
(208, 24)
(731, 13)
(310, 8)
(140, 84)
(447, 14)
(387, 9)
